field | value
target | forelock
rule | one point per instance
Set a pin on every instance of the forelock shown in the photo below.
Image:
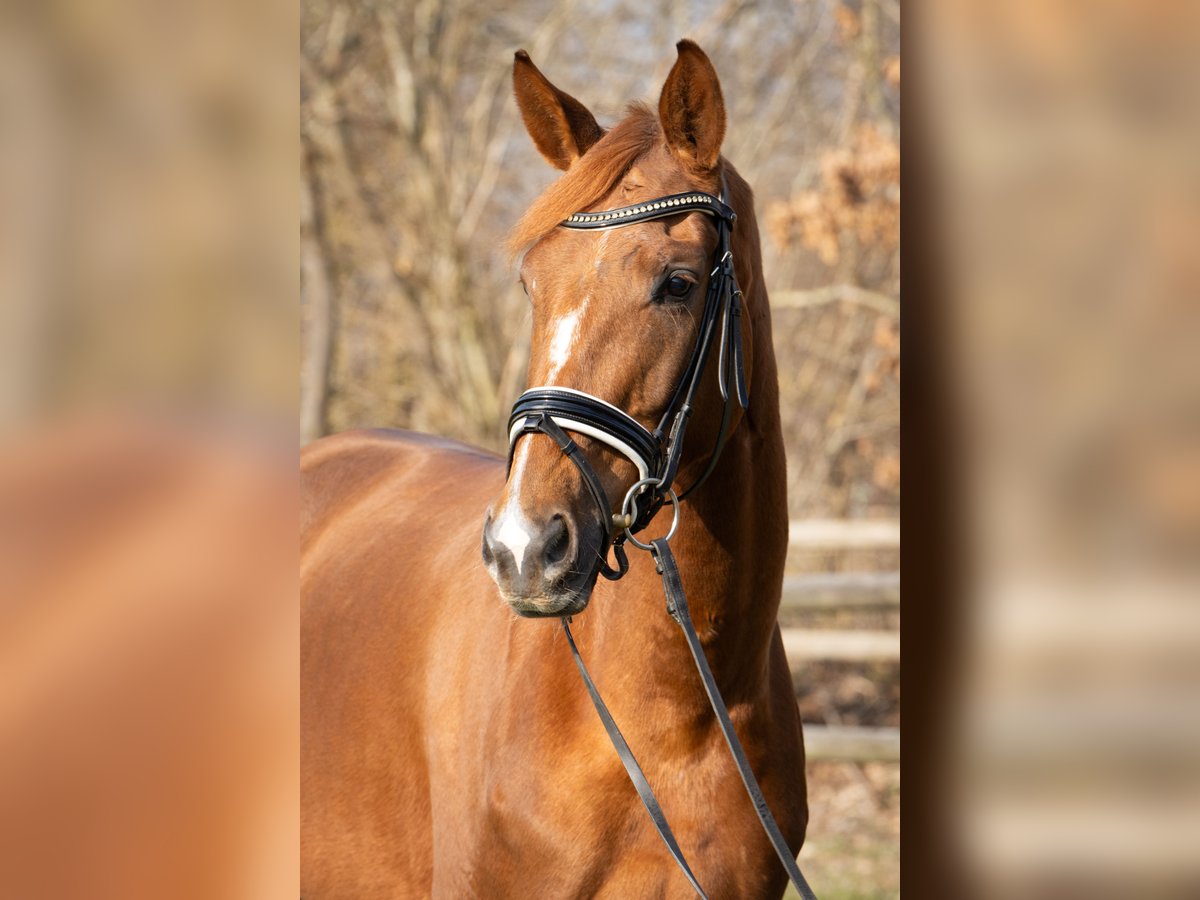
(592, 176)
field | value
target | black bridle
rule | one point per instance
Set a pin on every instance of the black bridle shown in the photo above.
(655, 454)
(554, 411)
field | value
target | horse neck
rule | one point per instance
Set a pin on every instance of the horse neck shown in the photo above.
(733, 536)
(730, 547)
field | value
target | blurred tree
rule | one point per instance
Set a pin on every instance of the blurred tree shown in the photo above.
(416, 165)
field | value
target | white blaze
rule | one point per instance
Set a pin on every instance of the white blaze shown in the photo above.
(562, 340)
(513, 535)
(512, 530)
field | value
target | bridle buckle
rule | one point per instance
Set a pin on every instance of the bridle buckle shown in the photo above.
(622, 521)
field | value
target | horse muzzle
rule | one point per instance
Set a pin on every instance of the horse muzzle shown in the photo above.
(542, 569)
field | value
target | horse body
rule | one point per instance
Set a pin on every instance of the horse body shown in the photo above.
(449, 748)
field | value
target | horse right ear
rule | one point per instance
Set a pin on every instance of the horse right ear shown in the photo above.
(561, 126)
(692, 109)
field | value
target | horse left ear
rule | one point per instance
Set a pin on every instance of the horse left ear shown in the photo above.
(692, 110)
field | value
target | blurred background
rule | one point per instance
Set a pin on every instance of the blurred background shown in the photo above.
(416, 164)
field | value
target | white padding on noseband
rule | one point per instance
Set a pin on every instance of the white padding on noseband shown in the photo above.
(566, 424)
(566, 390)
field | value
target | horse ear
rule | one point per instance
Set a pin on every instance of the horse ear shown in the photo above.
(692, 109)
(561, 126)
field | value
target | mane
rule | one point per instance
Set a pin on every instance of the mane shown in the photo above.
(590, 178)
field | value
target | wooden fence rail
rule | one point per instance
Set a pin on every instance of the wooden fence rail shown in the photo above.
(841, 590)
(806, 644)
(851, 744)
(844, 533)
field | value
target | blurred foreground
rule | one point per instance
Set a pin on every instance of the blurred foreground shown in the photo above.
(149, 696)
(1064, 143)
(148, 503)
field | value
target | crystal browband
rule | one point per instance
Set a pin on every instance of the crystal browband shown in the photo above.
(693, 201)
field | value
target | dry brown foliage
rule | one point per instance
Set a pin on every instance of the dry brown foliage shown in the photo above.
(847, 354)
(857, 200)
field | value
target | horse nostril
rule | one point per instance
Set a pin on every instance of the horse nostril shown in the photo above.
(558, 541)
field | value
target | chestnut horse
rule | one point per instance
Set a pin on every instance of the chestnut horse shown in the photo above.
(448, 746)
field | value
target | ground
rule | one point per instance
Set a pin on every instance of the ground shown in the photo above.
(853, 846)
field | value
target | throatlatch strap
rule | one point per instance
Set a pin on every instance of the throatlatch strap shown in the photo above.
(678, 608)
(629, 761)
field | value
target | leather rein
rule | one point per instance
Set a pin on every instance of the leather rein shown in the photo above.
(555, 411)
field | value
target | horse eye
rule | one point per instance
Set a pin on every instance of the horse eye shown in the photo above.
(677, 287)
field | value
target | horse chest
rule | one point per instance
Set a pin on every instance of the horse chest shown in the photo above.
(558, 818)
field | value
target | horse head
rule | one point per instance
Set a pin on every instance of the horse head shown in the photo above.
(617, 314)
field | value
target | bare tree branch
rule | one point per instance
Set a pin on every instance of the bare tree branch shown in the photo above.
(317, 300)
(834, 293)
